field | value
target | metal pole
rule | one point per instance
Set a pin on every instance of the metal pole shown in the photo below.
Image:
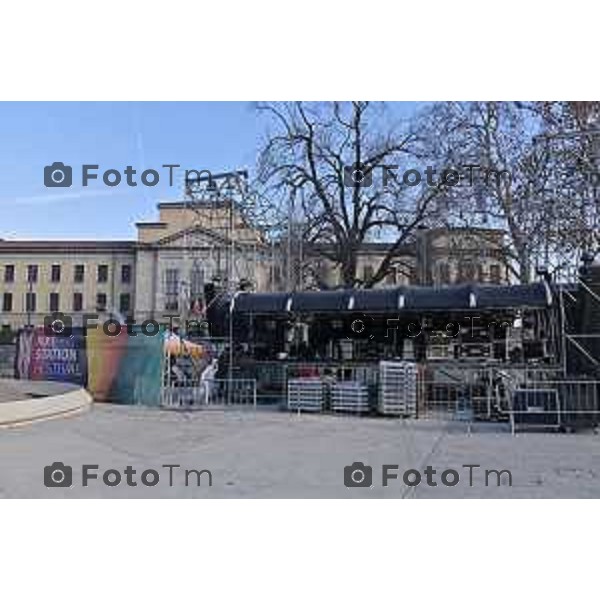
(29, 296)
(183, 309)
(562, 330)
(230, 367)
(288, 274)
(232, 292)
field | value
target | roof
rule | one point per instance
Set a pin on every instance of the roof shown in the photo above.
(501, 296)
(192, 203)
(261, 303)
(331, 301)
(66, 245)
(152, 225)
(401, 299)
(365, 247)
(443, 298)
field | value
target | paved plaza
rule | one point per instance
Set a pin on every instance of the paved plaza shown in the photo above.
(12, 390)
(270, 454)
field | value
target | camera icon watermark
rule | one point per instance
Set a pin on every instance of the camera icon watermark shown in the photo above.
(58, 325)
(362, 327)
(58, 175)
(358, 175)
(358, 475)
(58, 475)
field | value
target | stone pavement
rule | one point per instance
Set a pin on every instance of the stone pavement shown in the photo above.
(269, 454)
(22, 389)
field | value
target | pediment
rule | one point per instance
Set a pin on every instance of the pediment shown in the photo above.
(196, 236)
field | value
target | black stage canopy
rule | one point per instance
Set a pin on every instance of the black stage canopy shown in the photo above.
(409, 299)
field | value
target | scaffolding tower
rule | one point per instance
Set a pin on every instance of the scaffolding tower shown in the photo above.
(215, 208)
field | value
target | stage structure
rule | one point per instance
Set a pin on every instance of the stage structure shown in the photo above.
(465, 323)
(478, 350)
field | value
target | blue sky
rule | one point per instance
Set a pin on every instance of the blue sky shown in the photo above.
(219, 136)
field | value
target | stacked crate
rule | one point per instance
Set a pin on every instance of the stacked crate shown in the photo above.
(350, 396)
(397, 388)
(306, 394)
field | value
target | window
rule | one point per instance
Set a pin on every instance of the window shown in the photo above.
(471, 272)
(54, 302)
(171, 303)
(79, 273)
(444, 273)
(466, 272)
(412, 275)
(101, 302)
(30, 302)
(276, 276)
(480, 274)
(126, 274)
(172, 289)
(124, 303)
(55, 274)
(196, 282)
(367, 272)
(32, 273)
(102, 273)
(77, 301)
(9, 273)
(495, 274)
(7, 302)
(172, 281)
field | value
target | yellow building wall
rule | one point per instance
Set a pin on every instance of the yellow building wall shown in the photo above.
(66, 287)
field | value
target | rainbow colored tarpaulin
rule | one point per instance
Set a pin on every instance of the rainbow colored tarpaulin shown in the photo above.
(126, 368)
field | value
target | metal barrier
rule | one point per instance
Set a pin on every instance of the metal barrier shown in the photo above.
(363, 372)
(331, 387)
(231, 393)
(482, 393)
(539, 398)
(434, 391)
(515, 396)
(7, 360)
(460, 400)
(560, 404)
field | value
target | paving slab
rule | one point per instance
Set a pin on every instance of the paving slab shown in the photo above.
(272, 454)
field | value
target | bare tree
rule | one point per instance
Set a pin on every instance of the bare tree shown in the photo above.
(514, 183)
(537, 181)
(572, 135)
(334, 163)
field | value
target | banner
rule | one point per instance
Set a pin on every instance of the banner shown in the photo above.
(127, 368)
(51, 358)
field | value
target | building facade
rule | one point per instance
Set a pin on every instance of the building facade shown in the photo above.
(39, 278)
(166, 271)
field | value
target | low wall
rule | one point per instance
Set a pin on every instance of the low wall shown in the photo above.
(23, 402)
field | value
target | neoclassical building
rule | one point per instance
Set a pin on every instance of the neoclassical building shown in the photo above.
(165, 271)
